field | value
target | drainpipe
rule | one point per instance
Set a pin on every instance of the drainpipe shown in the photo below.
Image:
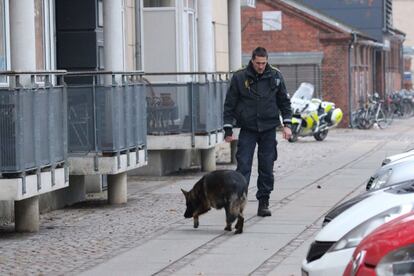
(350, 50)
(138, 35)
(402, 64)
(235, 51)
(374, 71)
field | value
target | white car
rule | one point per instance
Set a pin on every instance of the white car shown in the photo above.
(391, 174)
(394, 172)
(396, 157)
(334, 244)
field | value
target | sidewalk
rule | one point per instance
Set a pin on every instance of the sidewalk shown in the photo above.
(149, 235)
(269, 246)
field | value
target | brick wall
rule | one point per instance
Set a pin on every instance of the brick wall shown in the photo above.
(299, 34)
(335, 80)
(407, 63)
(296, 35)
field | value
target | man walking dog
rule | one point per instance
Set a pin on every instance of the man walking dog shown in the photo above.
(256, 96)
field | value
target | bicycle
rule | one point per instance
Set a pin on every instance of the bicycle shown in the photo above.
(370, 114)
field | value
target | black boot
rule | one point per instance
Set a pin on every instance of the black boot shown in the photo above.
(263, 210)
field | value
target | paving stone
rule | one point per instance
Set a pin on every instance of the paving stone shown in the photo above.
(78, 238)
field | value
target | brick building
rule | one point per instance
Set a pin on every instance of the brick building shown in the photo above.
(306, 45)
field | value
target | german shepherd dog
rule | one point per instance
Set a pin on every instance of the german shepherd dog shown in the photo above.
(218, 189)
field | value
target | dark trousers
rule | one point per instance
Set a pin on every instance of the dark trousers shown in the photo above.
(266, 155)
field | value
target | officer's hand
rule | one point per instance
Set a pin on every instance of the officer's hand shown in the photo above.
(228, 134)
(229, 138)
(287, 133)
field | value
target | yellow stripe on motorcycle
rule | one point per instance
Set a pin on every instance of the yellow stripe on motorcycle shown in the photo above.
(295, 121)
(309, 122)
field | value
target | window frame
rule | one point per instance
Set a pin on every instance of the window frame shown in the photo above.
(48, 40)
(172, 5)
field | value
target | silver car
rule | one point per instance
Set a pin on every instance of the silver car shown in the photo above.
(396, 157)
(396, 171)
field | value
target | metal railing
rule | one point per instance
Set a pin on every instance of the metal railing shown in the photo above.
(33, 132)
(106, 112)
(193, 103)
(44, 115)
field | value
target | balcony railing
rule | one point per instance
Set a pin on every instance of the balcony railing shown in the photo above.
(42, 119)
(106, 112)
(192, 103)
(33, 132)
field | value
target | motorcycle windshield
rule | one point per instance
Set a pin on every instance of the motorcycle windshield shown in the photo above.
(304, 92)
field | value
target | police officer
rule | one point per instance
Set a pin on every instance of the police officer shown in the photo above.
(256, 96)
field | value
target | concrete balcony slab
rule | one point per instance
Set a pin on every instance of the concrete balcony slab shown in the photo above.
(92, 164)
(183, 141)
(28, 186)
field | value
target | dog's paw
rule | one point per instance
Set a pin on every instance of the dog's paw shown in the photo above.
(238, 231)
(196, 222)
(227, 228)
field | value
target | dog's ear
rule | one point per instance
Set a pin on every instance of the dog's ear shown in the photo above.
(184, 192)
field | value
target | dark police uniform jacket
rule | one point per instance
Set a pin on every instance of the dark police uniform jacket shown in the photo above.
(255, 101)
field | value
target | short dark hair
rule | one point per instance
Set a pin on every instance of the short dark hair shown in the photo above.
(259, 52)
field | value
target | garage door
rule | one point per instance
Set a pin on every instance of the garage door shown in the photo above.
(295, 74)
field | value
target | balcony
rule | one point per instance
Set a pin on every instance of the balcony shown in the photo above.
(33, 134)
(184, 112)
(106, 122)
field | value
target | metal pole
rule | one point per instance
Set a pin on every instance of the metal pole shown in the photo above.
(138, 35)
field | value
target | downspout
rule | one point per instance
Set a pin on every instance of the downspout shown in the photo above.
(374, 70)
(402, 65)
(138, 37)
(350, 50)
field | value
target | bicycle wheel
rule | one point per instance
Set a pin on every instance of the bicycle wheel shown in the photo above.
(367, 119)
(390, 115)
(356, 117)
(381, 119)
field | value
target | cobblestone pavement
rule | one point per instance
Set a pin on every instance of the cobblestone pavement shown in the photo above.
(74, 239)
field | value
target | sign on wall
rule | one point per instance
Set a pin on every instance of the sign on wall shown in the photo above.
(272, 20)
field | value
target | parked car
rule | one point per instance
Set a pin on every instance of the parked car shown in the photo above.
(339, 209)
(391, 174)
(332, 249)
(396, 157)
(394, 172)
(389, 250)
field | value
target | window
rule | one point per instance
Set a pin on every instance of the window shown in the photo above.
(272, 20)
(44, 30)
(159, 3)
(100, 13)
(189, 4)
(40, 35)
(101, 58)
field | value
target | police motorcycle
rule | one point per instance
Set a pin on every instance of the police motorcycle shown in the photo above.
(311, 116)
